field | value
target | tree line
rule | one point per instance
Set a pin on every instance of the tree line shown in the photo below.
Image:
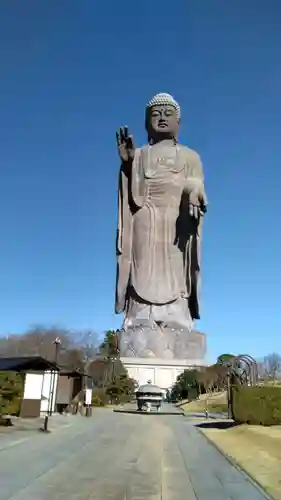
(82, 350)
(77, 350)
(191, 383)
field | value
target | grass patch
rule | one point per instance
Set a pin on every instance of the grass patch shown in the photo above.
(256, 449)
(216, 402)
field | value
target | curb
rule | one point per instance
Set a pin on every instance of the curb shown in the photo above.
(211, 416)
(238, 467)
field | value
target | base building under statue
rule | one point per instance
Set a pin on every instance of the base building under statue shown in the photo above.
(162, 373)
(160, 364)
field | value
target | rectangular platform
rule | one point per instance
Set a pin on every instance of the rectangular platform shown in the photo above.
(161, 372)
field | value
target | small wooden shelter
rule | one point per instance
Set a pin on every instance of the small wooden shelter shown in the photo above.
(48, 387)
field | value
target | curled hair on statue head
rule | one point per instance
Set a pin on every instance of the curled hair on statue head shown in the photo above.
(162, 99)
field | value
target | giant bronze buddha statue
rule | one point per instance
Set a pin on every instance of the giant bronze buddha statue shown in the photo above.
(161, 206)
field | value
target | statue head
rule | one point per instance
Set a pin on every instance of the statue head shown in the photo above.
(162, 118)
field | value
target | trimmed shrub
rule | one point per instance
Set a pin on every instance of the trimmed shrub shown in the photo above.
(121, 389)
(193, 393)
(99, 398)
(11, 390)
(257, 405)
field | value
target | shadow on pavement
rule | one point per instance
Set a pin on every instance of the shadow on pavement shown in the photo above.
(217, 425)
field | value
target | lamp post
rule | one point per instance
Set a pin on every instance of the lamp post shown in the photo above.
(57, 344)
(87, 382)
(229, 409)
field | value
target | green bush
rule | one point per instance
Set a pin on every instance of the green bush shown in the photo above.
(186, 386)
(121, 389)
(192, 393)
(99, 398)
(11, 390)
(257, 405)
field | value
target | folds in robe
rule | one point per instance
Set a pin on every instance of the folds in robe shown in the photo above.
(132, 196)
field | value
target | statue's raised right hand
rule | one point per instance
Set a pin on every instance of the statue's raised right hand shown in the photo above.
(125, 144)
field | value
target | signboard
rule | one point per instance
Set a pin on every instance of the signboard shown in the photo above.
(88, 397)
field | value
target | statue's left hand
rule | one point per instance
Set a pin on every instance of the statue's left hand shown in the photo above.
(197, 204)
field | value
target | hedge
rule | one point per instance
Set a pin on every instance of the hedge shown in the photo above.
(257, 405)
(193, 393)
(11, 390)
(99, 397)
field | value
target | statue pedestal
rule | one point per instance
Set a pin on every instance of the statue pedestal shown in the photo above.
(161, 372)
(168, 343)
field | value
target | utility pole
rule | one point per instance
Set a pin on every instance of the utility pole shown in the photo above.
(52, 386)
(87, 385)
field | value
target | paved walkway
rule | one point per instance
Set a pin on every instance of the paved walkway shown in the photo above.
(115, 456)
(165, 409)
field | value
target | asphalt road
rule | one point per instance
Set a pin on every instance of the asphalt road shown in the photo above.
(118, 456)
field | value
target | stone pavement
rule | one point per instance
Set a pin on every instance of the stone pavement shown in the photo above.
(23, 427)
(166, 409)
(119, 456)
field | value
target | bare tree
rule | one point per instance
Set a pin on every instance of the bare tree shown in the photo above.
(208, 377)
(272, 363)
(261, 370)
(76, 347)
(37, 341)
(86, 341)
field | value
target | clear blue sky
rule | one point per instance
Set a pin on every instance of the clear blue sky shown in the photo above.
(71, 73)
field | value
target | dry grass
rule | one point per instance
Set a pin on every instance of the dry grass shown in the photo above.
(216, 402)
(257, 449)
(276, 382)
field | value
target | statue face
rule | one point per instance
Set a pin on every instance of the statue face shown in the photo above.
(163, 120)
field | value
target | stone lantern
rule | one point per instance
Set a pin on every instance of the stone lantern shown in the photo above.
(149, 397)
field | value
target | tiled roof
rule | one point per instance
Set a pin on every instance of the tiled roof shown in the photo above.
(26, 363)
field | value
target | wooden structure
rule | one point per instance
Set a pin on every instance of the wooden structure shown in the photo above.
(39, 377)
(48, 387)
(71, 386)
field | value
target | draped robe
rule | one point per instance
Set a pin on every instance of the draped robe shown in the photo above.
(158, 243)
